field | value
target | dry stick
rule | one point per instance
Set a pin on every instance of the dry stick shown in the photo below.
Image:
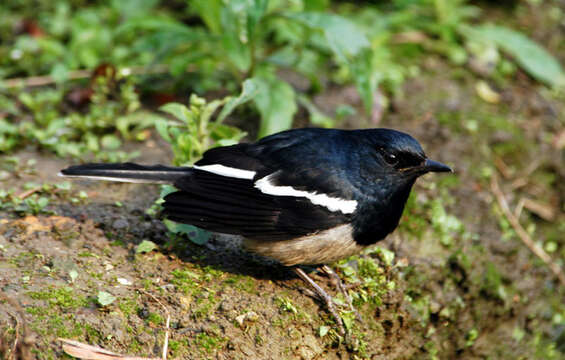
(29, 192)
(80, 74)
(522, 234)
(166, 341)
(19, 341)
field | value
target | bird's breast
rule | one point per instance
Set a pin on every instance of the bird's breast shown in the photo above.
(321, 248)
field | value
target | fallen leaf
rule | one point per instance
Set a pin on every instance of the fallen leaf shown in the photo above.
(544, 211)
(89, 352)
(145, 246)
(105, 298)
(486, 93)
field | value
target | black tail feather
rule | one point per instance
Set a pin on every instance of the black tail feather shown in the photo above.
(127, 172)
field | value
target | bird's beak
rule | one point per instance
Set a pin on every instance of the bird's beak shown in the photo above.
(436, 166)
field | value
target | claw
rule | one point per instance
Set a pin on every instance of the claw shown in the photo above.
(341, 287)
(324, 297)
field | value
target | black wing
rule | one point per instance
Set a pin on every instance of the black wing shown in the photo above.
(306, 160)
(234, 206)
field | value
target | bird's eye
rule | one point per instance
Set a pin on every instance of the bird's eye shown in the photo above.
(391, 159)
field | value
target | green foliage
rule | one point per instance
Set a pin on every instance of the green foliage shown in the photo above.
(114, 114)
(212, 45)
(145, 246)
(529, 55)
(192, 132)
(257, 38)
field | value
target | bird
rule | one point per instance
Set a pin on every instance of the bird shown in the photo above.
(307, 196)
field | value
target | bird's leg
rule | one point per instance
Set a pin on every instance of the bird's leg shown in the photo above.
(339, 284)
(323, 296)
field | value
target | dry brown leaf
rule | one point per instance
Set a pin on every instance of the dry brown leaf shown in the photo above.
(89, 352)
(559, 140)
(544, 211)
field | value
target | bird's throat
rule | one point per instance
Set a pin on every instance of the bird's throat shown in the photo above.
(376, 219)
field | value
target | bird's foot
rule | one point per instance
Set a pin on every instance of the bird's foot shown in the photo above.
(336, 280)
(327, 299)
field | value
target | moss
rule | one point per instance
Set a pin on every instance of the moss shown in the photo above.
(155, 319)
(243, 283)
(185, 280)
(128, 306)
(63, 297)
(134, 347)
(205, 304)
(208, 343)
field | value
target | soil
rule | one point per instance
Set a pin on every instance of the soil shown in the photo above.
(475, 293)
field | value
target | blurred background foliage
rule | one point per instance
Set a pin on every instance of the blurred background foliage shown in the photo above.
(163, 51)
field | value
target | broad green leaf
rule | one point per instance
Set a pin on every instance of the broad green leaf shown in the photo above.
(351, 47)
(110, 142)
(209, 11)
(323, 330)
(533, 58)
(342, 35)
(196, 235)
(226, 135)
(177, 110)
(276, 103)
(316, 116)
(105, 298)
(365, 78)
(132, 8)
(162, 126)
(248, 91)
(145, 246)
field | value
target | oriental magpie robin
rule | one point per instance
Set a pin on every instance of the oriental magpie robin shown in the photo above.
(302, 197)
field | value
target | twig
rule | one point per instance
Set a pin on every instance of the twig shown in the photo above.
(522, 234)
(167, 324)
(29, 192)
(34, 81)
(20, 349)
(15, 346)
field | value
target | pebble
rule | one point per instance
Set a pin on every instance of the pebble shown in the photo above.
(120, 224)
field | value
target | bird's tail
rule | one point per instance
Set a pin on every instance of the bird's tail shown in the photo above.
(127, 172)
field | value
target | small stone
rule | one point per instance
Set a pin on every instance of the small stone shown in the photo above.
(435, 307)
(168, 287)
(123, 281)
(120, 224)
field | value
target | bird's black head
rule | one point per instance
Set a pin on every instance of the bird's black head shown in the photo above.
(389, 163)
(397, 155)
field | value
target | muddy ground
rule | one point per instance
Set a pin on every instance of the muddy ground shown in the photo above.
(461, 284)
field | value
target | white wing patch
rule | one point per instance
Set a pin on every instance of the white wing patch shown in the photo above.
(332, 203)
(227, 171)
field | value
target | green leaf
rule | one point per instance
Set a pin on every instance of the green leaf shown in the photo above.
(342, 35)
(224, 135)
(73, 274)
(145, 246)
(249, 91)
(196, 235)
(209, 11)
(162, 126)
(110, 142)
(323, 330)
(179, 111)
(351, 47)
(277, 104)
(533, 58)
(104, 298)
(316, 116)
